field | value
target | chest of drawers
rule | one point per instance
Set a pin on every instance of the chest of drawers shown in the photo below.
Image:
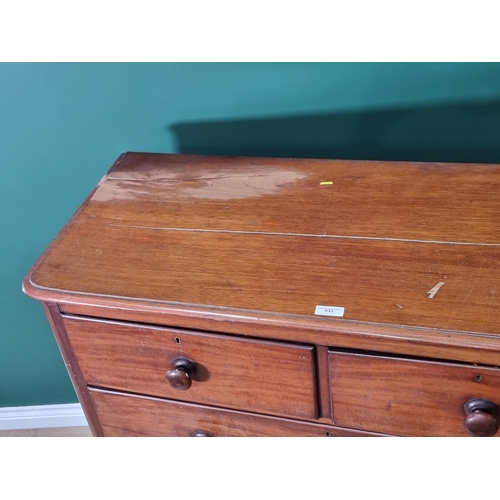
(226, 296)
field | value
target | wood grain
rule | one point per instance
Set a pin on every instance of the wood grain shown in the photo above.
(126, 415)
(159, 235)
(435, 343)
(155, 230)
(72, 364)
(422, 201)
(238, 252)
(406, 397)
(379, 282)
(324, 399)
(237, 373)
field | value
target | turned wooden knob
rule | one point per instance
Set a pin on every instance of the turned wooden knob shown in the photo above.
(201, 434)
(181, 373)
(481, 417)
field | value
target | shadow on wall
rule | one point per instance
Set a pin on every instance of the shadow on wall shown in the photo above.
(445, 133)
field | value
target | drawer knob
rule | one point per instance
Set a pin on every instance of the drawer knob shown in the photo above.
(481, 417)
(203, 434)
(181, 373)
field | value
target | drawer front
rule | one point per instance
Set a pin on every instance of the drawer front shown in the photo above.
(127, 415)
(410, 397)
(264, 377)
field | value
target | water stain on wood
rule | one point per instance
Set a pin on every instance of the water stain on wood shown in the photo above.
(250, 183)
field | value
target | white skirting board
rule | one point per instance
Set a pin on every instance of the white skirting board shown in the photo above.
(43, 416)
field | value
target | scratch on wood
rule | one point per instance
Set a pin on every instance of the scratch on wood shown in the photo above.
(305, 235)
(435, 289)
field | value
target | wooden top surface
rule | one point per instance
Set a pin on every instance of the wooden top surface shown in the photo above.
(411, 244)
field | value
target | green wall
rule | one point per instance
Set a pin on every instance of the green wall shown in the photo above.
(62, 125)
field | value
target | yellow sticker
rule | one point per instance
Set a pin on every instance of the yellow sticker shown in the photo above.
(325, 183)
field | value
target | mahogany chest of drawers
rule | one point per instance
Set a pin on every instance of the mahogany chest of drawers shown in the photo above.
(227, 296)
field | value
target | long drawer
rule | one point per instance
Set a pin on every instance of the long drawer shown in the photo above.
(129, 415)
(413, 397)
(256, 376)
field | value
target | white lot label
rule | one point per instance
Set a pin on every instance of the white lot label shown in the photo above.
(329, 311)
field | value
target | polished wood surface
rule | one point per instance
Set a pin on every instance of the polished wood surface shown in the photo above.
(237, 373)
(323, 377)
(460, 346)
(181, 373)
(380, 282)
(192, 284)
(127, 415)
(482, 417)
(447, 216)
(407, 397)
(413, 201)
(72, 366)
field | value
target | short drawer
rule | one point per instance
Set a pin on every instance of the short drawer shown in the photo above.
(413, 397)
(128, 415)
(257, 376)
